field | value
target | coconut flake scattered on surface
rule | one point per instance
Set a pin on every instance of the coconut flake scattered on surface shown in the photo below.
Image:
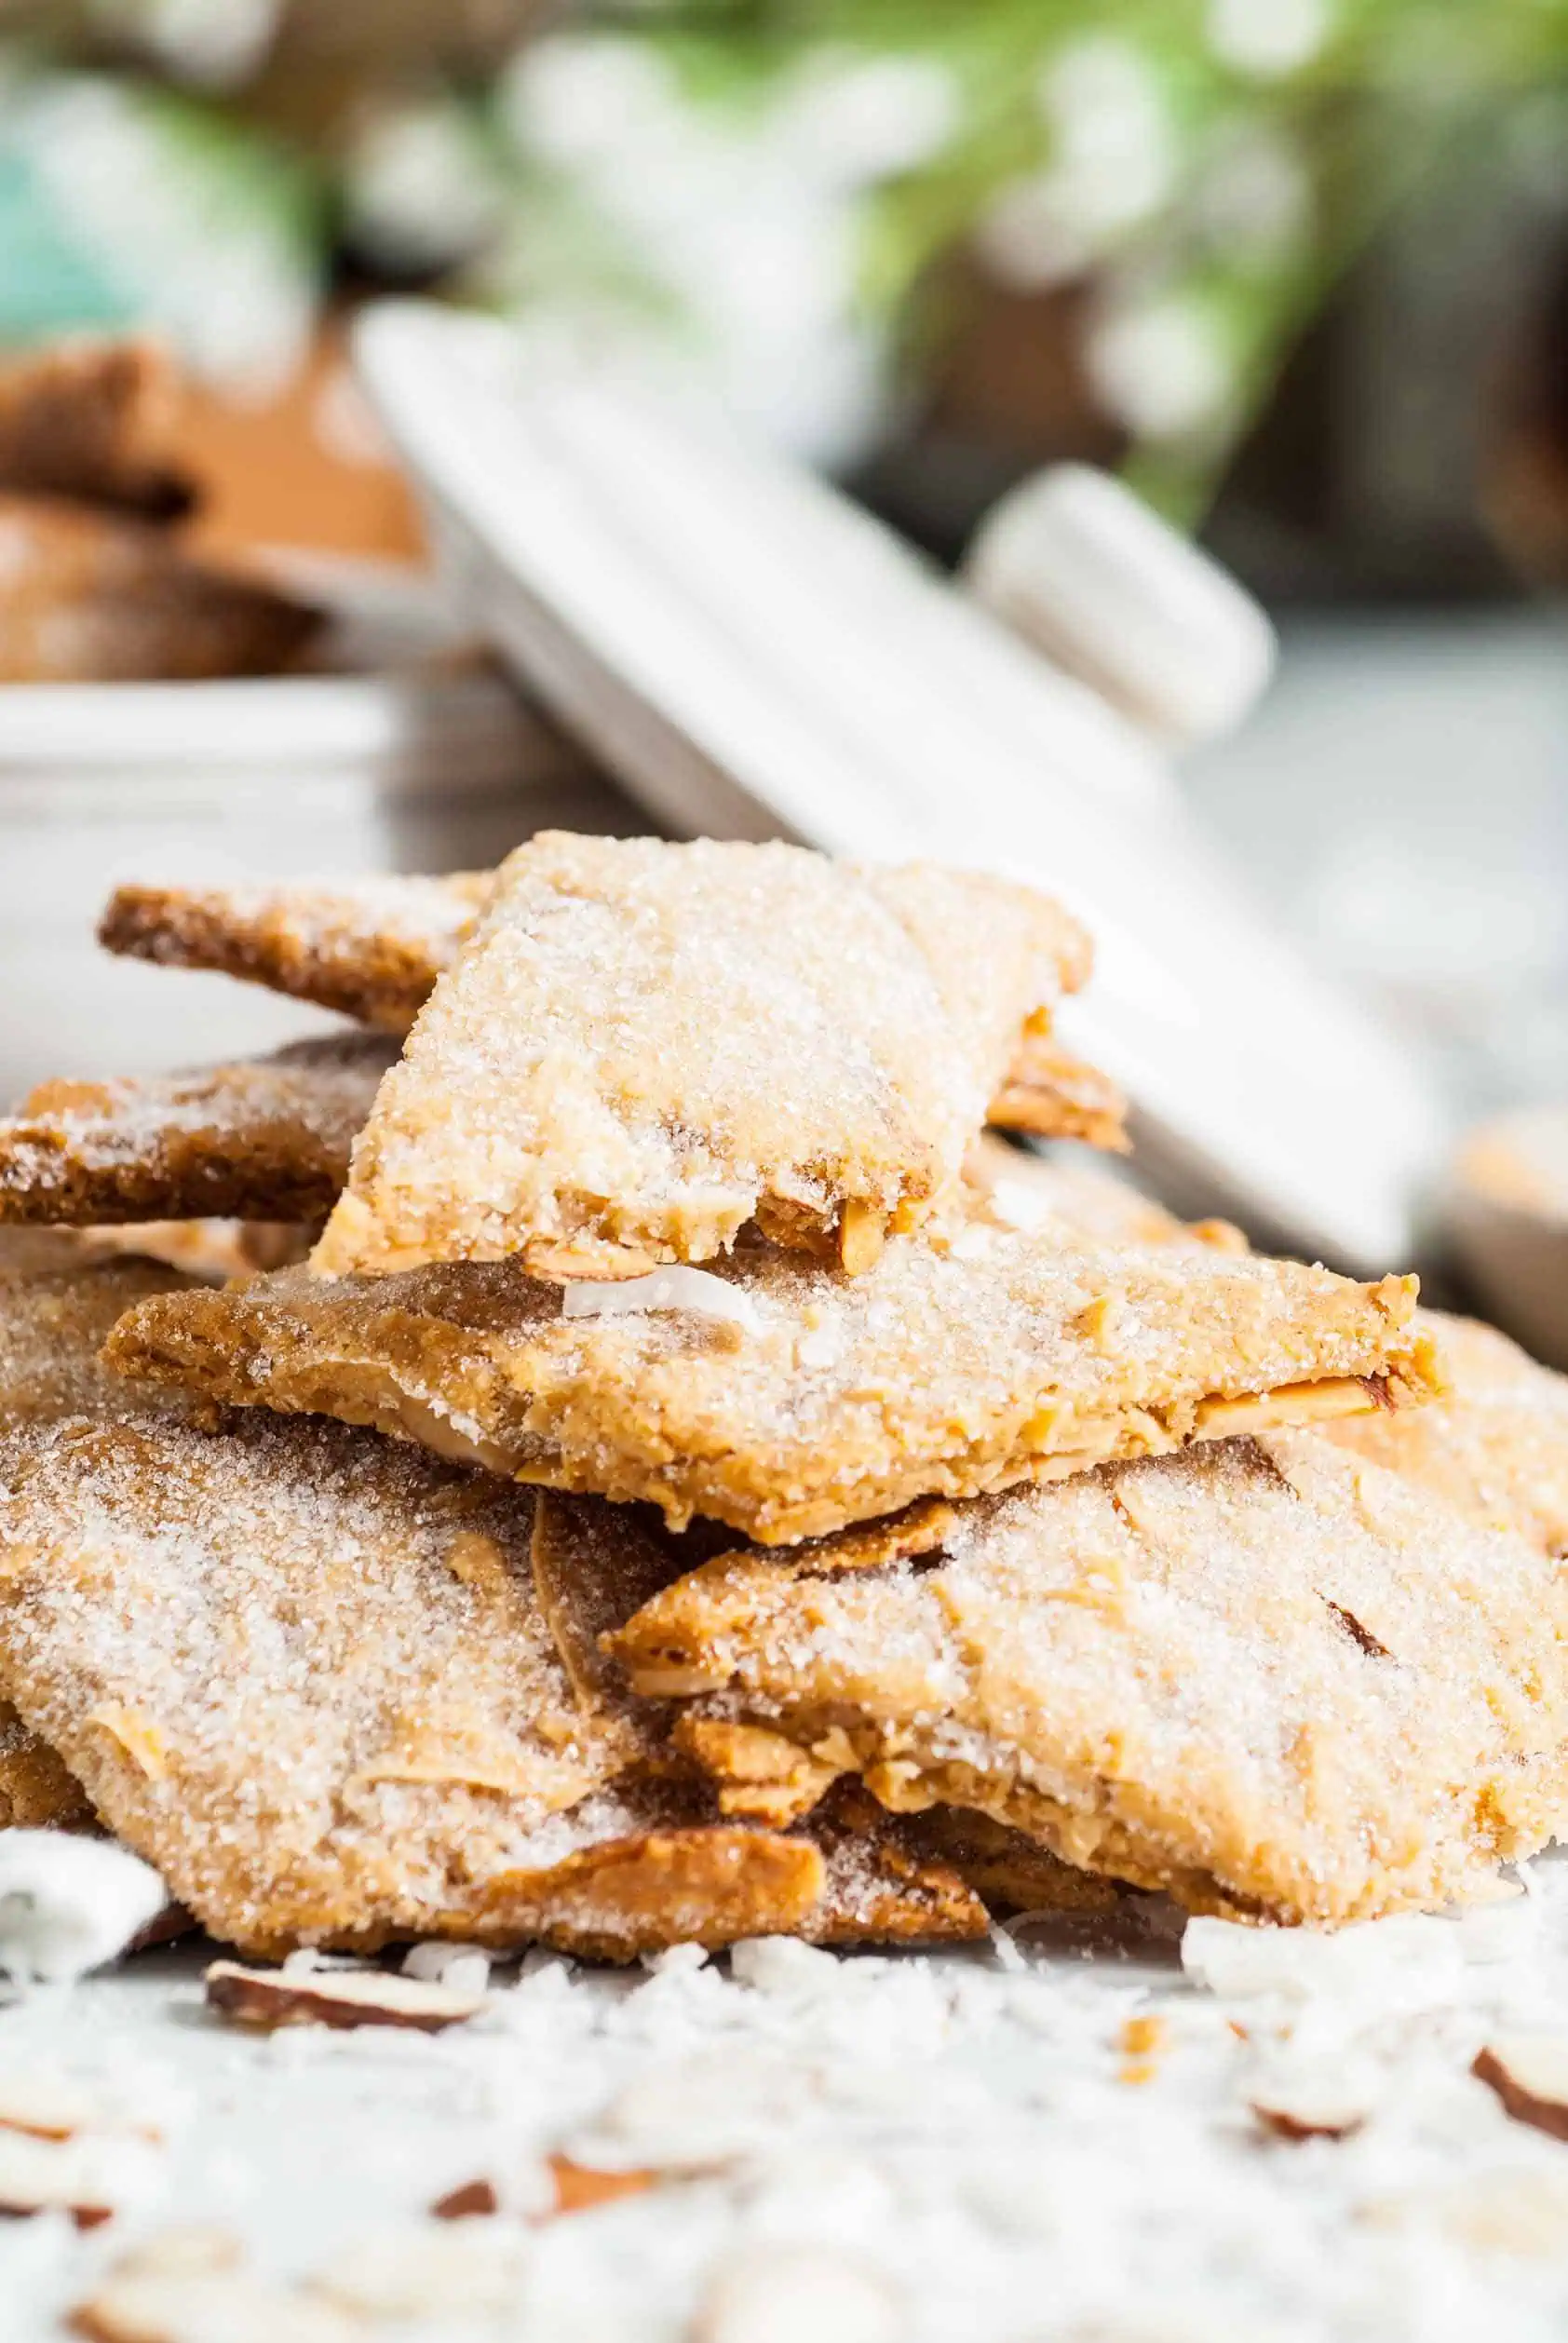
(68, 1904)
(676, 1288)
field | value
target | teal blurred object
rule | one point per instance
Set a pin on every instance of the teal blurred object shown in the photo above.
(50, 282)
(776, 186)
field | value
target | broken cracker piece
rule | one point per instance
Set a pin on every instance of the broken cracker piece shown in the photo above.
(369, 948)
(373, 949)
(366, 1730)
(473, 2199)
(1305, 2114)
(1496, 1442)
(585, 1079)
(263, 1139)
(59, 2107)
(932, 1373)
(340, 1999)
(87, 2179)
(1054, 1094)
(1217, 1731)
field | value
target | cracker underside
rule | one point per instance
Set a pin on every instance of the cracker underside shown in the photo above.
(1267, 1677)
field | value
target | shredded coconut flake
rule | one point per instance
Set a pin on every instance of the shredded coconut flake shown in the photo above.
(674, 1289)
(68, 1904)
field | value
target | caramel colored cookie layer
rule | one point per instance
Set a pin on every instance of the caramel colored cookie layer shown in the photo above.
(1496, 1441)
(1267, 1677)
(367, 948)
(56, 1306)
(1002, 1359)
(309, 1675)
(588, 1088)
(373, 949)
(36, 1794)
(266, 1139)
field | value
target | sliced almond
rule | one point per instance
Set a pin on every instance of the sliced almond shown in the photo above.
(473, 2199)
(1307, 2115)
(44, 2175)
(56, 2107)
(266, 1998)
(799, 2290)
(445, 2278)
(195, 2309)
(137, 1736)
(194, 2250)
(1529, 2072)
(579, 2188)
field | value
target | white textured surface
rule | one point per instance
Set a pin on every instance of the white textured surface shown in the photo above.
(956, 2136)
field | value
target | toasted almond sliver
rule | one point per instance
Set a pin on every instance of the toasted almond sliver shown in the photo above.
(1528, 2073)
(57, 2107)
(1292, 1403)
(472, 2199)
(266, 1998)
(137, 1736)
(40, 2176)
(1308, 2116)
(862, 1235)
(176, 2309)
(579, 2188)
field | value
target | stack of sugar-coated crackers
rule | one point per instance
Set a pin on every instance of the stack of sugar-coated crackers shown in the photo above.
(613, 1448)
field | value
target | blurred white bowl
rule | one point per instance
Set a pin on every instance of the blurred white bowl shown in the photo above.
(408, 756)
(1507, 1214)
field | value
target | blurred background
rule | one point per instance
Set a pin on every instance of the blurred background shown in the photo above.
(1298, 269)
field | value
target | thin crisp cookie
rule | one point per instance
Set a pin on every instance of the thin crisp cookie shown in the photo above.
(307, 1674)
(373, 949)
(786, 1400)
(369, 948)
(262, 1139)
(1268, 1678)
(584, 1089)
